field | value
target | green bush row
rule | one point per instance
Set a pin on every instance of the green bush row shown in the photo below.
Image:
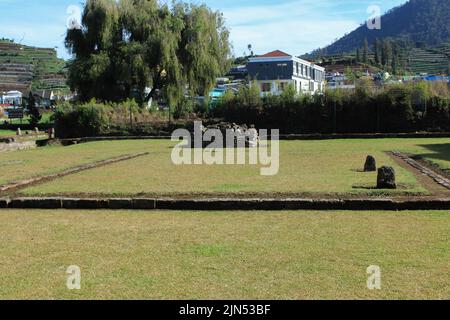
(395, 108)
(97, 119)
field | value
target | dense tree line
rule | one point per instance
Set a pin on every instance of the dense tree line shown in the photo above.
(414, 107)
(387, 54)
(396, 108)
(126, 46)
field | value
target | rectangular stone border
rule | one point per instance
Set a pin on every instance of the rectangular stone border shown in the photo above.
(439, 179)
(225, 204)
(282, 137)
(46, 178)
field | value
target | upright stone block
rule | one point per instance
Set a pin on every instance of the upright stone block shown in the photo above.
(386, 178)
(370, 165)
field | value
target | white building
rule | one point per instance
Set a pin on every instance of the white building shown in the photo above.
(12, 97)
(339, 81)
(275, 71)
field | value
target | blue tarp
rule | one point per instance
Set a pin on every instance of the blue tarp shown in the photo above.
(437, 78)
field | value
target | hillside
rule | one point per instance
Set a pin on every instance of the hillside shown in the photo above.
(23, 68)
(432, 61)
(411, 60)
(426, 21)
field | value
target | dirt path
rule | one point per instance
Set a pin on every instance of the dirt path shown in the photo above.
(435, 182)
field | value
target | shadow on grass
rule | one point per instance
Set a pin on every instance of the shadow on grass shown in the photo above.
(440, 152)
(372, 187)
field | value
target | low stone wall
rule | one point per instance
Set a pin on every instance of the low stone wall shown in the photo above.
(364, 136)
(282, 137)
(14, 146)
(226, 204)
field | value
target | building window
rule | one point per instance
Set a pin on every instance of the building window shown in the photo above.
(282, 86)
(266, 87)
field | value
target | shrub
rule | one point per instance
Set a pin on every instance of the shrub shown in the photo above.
(94, 119)
(85, 120)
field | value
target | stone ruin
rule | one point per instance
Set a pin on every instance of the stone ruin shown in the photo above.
(386, 178)
(370, 165)
(244, 135)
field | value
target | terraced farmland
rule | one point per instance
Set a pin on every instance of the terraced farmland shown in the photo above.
(428, 61)
(23, 67)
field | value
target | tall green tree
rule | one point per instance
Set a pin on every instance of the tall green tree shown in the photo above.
(366, 51)
(395, 58)
(386, 53)
(33, 111)
(127, 46)
(377, 51)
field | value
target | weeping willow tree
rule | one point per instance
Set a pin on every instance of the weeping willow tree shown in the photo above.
(126, 46)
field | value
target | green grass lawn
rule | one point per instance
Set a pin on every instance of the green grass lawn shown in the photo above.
(25, 164)
(7, 133)
(218, 255)
(306, 167)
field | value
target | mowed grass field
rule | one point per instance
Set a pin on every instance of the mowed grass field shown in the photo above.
(224, 255)
(330, 167)
(52, 159)
(7, 133)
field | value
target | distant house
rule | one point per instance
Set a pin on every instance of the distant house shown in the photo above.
(13, 98)
(238, 72)
(275, 71)
(45, 98)
(339, 81)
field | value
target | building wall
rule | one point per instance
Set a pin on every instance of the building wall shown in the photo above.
(13, 98)
(272, 74)
(276, 86)
(271, 70)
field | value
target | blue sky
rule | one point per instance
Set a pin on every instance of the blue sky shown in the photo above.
(294, 26)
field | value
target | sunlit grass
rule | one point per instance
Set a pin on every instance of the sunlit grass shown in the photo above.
(25, 164)
(217, 255)
(306, 167)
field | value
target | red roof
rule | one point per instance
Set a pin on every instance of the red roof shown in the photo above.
(275, 54)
